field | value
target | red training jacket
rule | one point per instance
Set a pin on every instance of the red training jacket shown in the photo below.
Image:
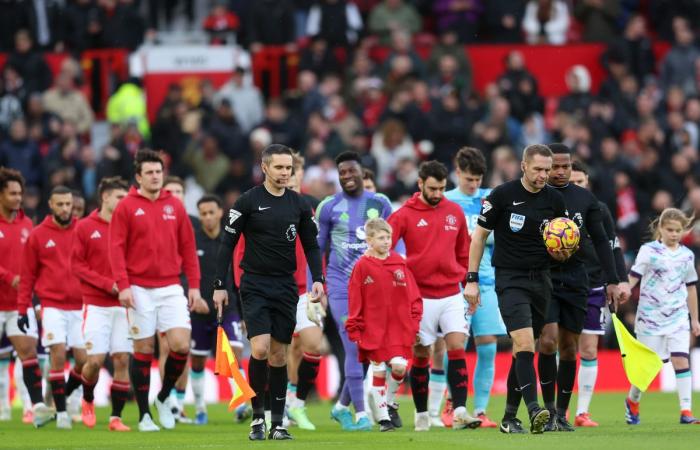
(90, 261)
(46, 268)
(437, 244)
(13, 236)
(151, 242)
(384, 304)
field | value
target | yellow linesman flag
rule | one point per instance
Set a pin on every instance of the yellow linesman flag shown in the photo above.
(227, 366)
(641, 363)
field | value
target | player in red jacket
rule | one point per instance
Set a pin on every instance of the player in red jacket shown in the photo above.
(46, 273)
(14, 232)
(385, 309)
(105, 328)
(151, 242)
(437, 247)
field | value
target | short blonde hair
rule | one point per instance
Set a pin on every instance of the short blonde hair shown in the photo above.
(375, 225)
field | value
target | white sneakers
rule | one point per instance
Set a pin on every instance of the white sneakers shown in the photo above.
(74, 405)
(147, 424)
(462, 419)
(436, 421)
(63, 421)
(42, 414)
(422, 421)
(165, 414)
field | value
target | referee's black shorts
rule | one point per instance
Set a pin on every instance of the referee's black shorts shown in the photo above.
(269, 305)
(523, 298)
(569, 298)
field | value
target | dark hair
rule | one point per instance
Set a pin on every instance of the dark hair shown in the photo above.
(174, 179)
(7, 175)
(60, 190)
(276, 149)
(578, 166)
(348, 156)
(470, 159)
(368, 174)
(211, 198)
(77, 194)
(434, 169)
(146, 156)
(558, 148)
(536, 149)
(109, 184)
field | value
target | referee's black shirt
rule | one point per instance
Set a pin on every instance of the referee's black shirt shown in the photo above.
(517, 218)
(270, 225)
(584, 210)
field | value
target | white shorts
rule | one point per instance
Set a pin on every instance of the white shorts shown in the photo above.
(667, 345)
(303, 321)
(60, 326)
(105, 330)
(157, 309)
(8, 324)
(443, 316)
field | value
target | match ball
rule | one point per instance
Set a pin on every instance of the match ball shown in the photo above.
(561, 234)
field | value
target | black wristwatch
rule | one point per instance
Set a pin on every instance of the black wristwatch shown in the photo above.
(218, 285)
(321, 279)
(472, 277)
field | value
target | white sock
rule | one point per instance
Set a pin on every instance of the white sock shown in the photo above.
(197, 383)
(436, 392)
(339, 406)
(587, 375)
(21, 387)
(296, 402)
(360, 415)
(684, 385)
(379, 398)
(392, 386)
(635, 394)
(5, 384)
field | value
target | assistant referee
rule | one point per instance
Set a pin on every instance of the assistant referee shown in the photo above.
(517, 212)
(271, 217)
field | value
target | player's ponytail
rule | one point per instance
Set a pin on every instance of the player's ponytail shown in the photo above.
(669, 214)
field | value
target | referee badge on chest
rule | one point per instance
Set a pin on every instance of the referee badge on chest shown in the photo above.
(516, 222)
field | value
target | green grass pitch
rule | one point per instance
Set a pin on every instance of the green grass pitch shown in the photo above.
(659, 430)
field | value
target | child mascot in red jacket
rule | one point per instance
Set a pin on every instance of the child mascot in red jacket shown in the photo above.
(385, 308)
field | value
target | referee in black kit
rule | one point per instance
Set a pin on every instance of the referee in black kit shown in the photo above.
(567, 312)
(270, 216)
(517, 212)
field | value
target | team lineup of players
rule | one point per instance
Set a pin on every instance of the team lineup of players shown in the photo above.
(472, 262)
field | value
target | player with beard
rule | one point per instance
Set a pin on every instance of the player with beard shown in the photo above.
(14, 232)
(567, 311)
(435, 233)
(341, 219)
(46, 273)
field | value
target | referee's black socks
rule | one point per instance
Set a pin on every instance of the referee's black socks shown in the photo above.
(278, 394)
(527, 380)
(547, 368)
(565, 383)
(513, 395)
(257, 376)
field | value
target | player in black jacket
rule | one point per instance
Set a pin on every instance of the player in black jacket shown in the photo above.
(567, 311)
(271, 216)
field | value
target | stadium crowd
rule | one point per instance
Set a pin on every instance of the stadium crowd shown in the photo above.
(639, 134)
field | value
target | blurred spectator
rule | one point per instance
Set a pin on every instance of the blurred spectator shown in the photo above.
(29, 63)
(505, 166)
(520, 87)
(168, 8)
(10, 110)
(69, 103)
(635, 48)
(128, 103)
(679, 66)
(63, 164)
(405, 181)
(599, 19)
(503, 20)
(338, 22)
(450, 124)
(206, 161)
(393, 15)
(321, 139)
(14, 83)
(43, 126)
(220, 24)
(122, 25)
(10, 21)
(461, 16)
(546, 22)
(21, 153)
(271, 22)
(402, 107)
(449, 79)
(448, 45)
(663, 13)
(401, 46)
(83, 25)
(342, 120)
(168, 131)
(244, 97)
(576, 102)
(45, 21)
(319, 58)
(224, 127)
(390, 144)
(281, 126)
(496, 128)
